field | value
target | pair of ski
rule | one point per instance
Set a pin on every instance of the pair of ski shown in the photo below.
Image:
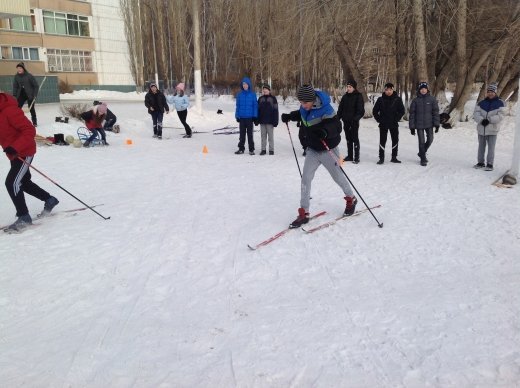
(42, 216)
(310, 230)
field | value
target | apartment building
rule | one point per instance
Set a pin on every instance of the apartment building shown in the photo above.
(80, 42)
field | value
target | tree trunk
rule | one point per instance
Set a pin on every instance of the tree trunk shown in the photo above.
(420, 40)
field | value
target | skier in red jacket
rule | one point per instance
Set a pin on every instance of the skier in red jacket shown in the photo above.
(17, 140)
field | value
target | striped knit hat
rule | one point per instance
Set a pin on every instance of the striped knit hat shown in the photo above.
(306, 93)
(492, 88)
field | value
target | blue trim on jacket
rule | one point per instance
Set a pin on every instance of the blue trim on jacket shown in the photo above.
(489, 104)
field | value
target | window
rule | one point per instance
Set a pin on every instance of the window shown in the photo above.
(69, 60)
(20, 53)
(65, 24)
(20, 23)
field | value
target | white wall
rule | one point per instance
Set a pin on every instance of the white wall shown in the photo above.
(111, 59)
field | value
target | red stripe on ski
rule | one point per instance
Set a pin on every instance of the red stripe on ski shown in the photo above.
(332, 222)
(281, 233)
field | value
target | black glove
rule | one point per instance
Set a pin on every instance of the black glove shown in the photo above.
(286, 117)
(11, 151)
(255, 121)
(412, 131)
(238, 120)
(484, 122)
(436, 128)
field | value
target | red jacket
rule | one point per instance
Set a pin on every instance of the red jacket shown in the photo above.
(15, 129)
(92, 119)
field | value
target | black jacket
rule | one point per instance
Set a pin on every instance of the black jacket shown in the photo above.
(351, 107)
(424, 112)
(27, 82)
(157, 101)
(311, 136)
(388, 110)
(268, 110)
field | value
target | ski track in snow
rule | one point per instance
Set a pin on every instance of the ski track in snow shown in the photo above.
(166, 293)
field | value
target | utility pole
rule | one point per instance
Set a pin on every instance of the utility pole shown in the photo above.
(196, 56)
(515, 163)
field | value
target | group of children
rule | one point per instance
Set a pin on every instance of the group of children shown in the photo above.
(320, 134)
(157, 104)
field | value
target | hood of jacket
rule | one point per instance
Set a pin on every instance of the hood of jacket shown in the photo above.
(248, 82)
(319, 111)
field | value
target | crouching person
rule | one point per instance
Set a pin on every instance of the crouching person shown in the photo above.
(94, 121)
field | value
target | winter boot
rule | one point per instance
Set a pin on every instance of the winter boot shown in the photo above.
(239, 152)
(302, 218)
(271, 152)
(489, 167)
(86, 144)
(424, 162)
(348, 159)
(50, 203)
(263, 152)
(479, 165)
(351, 206)
(423, 159)
(251, 152)
(21, 223)
(105, 142)
(381, 160)
(395, 160)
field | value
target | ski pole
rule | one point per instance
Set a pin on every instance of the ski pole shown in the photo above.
(380, 224)
(294, 151)
(72, 195)
(34, 99)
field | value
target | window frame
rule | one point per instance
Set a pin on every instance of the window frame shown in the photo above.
(72, 24)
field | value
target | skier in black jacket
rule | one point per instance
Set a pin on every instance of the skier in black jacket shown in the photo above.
(351, 109)
(387, 111)
(319, 124)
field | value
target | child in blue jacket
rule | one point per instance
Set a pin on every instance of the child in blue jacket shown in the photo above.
(246, 113)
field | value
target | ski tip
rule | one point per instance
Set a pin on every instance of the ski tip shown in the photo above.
(252, 248)
(380, 225)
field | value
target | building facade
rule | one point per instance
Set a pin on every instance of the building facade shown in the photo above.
(80, 42)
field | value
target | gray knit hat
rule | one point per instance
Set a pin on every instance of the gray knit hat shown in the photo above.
(306, 93)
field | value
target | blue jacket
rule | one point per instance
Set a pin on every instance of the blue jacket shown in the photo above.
(247, 105)
(181, 102)
(268, 110)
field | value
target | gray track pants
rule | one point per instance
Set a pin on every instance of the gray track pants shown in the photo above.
(312, 161)
(266, 131)
(491, 141)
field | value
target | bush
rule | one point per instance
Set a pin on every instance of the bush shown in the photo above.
(75, 110)
(64, 87)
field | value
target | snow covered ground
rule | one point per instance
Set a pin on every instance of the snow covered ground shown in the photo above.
(167, 294)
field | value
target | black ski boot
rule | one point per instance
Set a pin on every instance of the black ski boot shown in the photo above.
(21, 223)
(50, 203)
